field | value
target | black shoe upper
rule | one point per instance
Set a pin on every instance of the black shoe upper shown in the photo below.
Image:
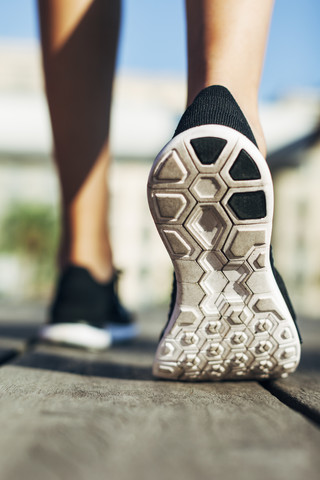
(80, 298)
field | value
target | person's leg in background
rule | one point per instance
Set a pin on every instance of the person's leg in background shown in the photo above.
(79, 45)
(79, 42)
(216, 224)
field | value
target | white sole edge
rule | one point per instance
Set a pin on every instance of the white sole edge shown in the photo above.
(87, 336)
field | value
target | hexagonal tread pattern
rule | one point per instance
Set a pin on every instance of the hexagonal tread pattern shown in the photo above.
(230, 320)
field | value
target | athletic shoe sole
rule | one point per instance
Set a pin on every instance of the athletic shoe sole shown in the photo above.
(211, 196)
(86, 336)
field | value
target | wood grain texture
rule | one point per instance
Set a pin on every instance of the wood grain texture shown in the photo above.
(60, 425)
(68, 414)
(301, 392)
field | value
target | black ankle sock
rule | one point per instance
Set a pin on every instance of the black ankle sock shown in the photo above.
(215, 106)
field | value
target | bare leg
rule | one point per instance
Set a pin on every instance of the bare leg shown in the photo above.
(79, 40)
(226, 46)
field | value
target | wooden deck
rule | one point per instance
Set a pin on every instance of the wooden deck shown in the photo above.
(67, 414)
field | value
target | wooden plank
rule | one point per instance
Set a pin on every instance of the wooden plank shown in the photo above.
(9, 350)
(60, 426)
(301, 391)
(70, 414)
(18, 326)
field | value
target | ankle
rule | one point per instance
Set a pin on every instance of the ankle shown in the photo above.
(97, 261)
(256, 127)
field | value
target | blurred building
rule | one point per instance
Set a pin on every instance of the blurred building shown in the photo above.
(145, 112)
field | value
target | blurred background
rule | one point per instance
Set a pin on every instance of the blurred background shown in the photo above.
(149, 98)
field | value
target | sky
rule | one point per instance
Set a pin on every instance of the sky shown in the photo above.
(153, 40)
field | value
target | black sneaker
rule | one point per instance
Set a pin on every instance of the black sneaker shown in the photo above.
(210, 193)
(86, 313)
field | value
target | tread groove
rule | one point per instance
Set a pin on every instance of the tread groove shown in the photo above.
(244, 168)
(208, 149)
(249, 205)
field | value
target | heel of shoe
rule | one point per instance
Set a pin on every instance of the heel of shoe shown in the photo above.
(211, 196)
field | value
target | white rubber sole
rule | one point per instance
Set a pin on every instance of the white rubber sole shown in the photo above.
(86, 336)
(230, 320)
